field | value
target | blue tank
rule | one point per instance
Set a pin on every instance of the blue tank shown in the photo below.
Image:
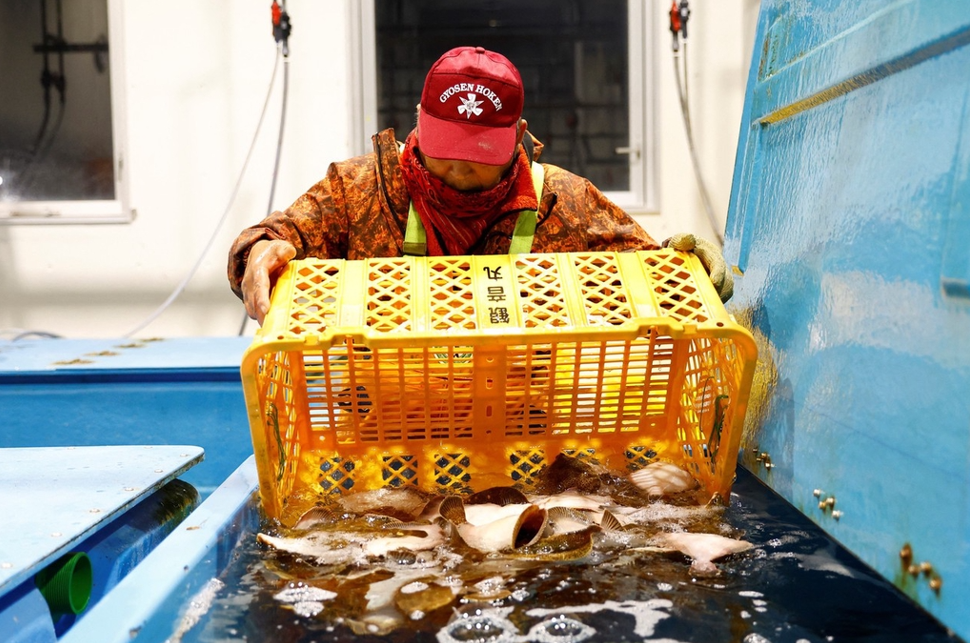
(849, 233)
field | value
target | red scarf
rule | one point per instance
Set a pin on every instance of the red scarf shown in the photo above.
(462, 217)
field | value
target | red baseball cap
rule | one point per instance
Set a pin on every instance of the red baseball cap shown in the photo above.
(470, 107)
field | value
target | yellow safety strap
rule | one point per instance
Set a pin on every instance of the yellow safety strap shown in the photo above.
(416, 239)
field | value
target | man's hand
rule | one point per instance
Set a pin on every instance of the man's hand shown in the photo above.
(266, 259)
(711, 258)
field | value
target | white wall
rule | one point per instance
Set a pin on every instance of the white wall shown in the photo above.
(197, 77)
(719, 52)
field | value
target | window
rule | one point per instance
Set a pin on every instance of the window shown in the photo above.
(61, 133)
(585, 66)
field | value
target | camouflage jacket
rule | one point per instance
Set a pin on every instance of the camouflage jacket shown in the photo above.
(360, 210)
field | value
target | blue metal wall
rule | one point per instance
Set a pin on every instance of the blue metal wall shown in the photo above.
(849, 229)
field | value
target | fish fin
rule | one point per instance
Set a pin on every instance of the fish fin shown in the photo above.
(570, 513)
(704, 568)
(610, 522)
(408, 526)
(315, 516)
(452, 509)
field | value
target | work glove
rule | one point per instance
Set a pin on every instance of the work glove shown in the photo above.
(711, 258)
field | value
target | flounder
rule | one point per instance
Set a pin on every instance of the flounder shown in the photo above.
(357, 539)
(659, 479)
(702, 548)
(492, 528)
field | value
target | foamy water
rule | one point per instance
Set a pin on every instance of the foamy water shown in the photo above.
(796, 586)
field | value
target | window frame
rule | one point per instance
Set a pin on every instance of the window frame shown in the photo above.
(91, 211)
(642, 196)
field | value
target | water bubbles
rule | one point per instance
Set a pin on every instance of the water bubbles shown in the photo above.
(450, 580)
(494, 626)
(560, 629)
(754, 637)
(521, 594)
(492, 587)
(480, 627)
(646, 614)
(665, 587)
(306, 600)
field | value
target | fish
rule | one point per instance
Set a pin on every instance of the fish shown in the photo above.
(396, 555)
(495, 528)
(586, 477)
(403, 503)
(660, 479)
(357, 539)
(703, 549)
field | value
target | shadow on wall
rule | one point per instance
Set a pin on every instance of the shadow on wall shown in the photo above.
(768, 440)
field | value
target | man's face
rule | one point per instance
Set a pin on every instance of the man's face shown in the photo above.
(464, 175)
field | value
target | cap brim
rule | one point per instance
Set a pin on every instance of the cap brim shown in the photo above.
(458, 141)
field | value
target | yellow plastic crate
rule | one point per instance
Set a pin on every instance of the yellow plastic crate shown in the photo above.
(460, 373)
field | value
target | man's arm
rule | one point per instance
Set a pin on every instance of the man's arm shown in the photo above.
(312, 227)
(279, 227)
(611, 228)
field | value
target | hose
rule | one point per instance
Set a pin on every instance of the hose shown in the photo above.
(181, 287)
(685, 112)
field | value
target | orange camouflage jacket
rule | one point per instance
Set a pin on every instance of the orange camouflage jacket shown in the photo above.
(360, 210)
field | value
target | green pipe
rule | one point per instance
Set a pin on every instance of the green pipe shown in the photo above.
(66, 584)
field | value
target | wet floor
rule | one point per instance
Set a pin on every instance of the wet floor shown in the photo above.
(795, 586)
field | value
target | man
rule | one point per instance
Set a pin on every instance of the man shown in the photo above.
(466, 181)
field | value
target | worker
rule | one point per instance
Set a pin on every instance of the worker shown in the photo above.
(466, 180)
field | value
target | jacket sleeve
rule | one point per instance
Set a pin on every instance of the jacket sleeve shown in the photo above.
(610, 228)
(316, 225)
(583, 218)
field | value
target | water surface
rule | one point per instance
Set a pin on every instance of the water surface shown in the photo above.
(795, 586)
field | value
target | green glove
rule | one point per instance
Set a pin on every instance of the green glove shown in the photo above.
(711, 258)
